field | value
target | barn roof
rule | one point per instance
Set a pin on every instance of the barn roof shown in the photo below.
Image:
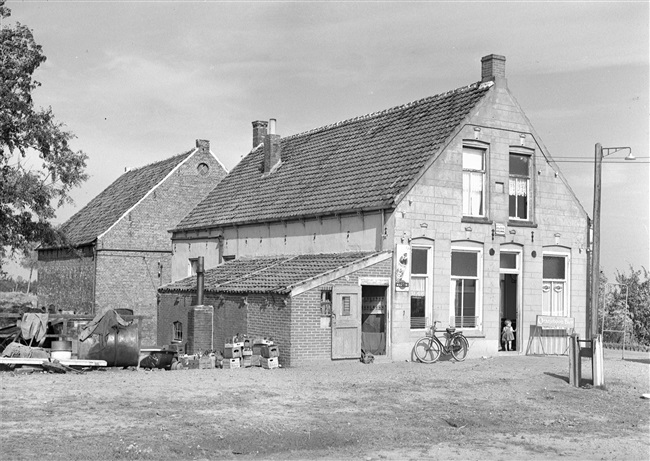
(270, 274)
(359, 164)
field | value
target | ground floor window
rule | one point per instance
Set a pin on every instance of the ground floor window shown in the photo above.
(177, 332)
(420, 286)
(555, 285)
(465, 288)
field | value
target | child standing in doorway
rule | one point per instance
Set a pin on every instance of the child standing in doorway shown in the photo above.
(508, 335)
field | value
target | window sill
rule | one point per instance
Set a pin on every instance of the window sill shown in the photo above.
(476, 220)
(521, 224)
(470, 333)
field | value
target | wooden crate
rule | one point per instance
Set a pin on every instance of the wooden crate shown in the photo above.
(231, 363)
(269, 363)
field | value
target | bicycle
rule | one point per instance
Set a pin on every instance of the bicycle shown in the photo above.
(428, 348)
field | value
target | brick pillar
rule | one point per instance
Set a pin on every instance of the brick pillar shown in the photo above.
(199, 329)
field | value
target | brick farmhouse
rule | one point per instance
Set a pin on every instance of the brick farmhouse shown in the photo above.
(359, 234)
(117, 249)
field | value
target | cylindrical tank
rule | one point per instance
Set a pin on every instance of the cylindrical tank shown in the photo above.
(119, 348)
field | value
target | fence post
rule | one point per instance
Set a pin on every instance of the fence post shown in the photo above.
(575, 367)
(597, 361)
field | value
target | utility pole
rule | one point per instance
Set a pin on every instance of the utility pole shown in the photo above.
(592, 308)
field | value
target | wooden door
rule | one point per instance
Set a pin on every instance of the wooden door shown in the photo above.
(346, 322)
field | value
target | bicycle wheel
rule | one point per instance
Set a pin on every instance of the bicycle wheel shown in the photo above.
(459, 347)
(427, 350)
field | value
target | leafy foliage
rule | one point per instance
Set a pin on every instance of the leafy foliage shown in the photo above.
(634, 318)
(37, 166)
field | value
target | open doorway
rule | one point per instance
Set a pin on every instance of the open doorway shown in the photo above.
(508, 310)
(373, 319)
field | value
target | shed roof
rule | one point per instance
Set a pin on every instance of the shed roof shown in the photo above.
(270, 274)
(113, 202)
(354, 165)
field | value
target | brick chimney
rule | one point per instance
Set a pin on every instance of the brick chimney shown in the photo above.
(493, 68)
(203, 145)
(259, 131)
(272, 150)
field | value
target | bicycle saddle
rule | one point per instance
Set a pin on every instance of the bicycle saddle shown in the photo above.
(451, 330)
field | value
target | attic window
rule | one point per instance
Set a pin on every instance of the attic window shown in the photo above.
(203, 169)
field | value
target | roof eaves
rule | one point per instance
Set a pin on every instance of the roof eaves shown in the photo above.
(386, 205)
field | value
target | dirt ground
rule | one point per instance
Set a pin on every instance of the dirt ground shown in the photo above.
(509, 408)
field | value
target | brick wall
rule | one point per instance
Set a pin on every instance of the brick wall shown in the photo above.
(66, 280)
(309, 341)
(131, 280)
(200, 323)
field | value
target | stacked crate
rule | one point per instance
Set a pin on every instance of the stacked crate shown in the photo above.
(269, 354)
(232, 354)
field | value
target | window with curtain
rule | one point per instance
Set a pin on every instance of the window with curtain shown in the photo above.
(419, 287)
(465, 288)
(473, 181)
(177, 332)
(554, 286)
(519, 186)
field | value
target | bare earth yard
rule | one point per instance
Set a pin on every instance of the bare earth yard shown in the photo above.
(498, 408)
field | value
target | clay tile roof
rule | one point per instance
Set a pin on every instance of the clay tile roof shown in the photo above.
(357, 164)
(271, 274)
(110, 205)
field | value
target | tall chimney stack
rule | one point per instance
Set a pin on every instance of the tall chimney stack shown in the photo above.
(259, 131)
(493, 68)
(272, 149)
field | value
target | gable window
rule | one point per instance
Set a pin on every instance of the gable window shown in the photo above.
(519, 187)
(473, 181)
(177, 332)
(420, 286)
(554, 285)
(465, 288)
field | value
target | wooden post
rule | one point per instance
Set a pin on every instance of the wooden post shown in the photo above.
(575, 367)
(597, 361)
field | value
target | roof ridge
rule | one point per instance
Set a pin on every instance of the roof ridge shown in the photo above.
(168, 159)
(390, 109)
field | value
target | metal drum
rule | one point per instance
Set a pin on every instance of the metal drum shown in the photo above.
(119, 348)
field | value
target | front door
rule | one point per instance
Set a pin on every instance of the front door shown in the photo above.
(346, 322)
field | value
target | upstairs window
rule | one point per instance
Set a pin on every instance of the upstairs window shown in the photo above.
(473, 181)
(192, 266)
(519, 188)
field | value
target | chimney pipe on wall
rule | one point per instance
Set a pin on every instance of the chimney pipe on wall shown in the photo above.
(199, 281)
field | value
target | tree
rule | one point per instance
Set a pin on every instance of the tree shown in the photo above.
(634, 317)
(37, 166)
(30, 261)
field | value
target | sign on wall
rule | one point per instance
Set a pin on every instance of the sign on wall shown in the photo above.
(402, 267)
(551, 322)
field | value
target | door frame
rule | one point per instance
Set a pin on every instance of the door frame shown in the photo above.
(518, 271)
(383, 282)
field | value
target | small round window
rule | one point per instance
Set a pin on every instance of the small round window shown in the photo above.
(203, 169)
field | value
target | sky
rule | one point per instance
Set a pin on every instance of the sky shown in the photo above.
(138, 82)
